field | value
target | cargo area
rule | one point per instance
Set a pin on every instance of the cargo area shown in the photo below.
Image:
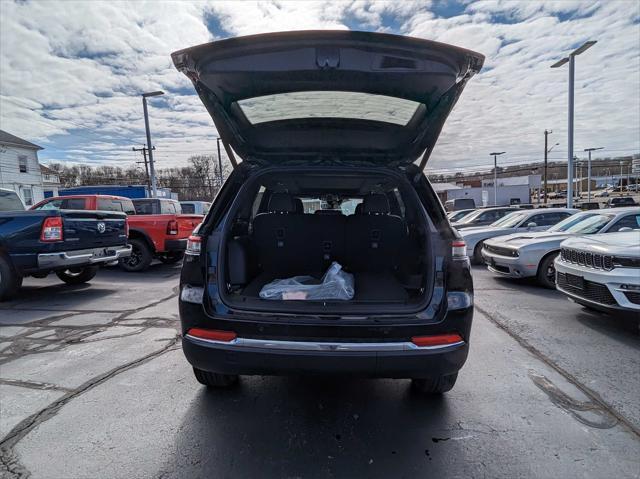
(286, 225)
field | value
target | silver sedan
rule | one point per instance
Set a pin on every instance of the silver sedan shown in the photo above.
(518, 221)
(523, 255)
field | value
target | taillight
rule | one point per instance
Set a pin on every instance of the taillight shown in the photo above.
(437, 340)
(126, 227)
(212, 334)
(194, 245)
(458, 249)
(52, 229)
(172, 227)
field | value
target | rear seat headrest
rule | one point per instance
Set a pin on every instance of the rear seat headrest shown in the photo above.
(282, 203)
(299, 206)
(358, 210)
(375, 204)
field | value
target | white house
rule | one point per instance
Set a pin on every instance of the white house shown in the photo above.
(19, 168)
(50, 181)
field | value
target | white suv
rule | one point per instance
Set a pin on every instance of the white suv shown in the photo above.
(602, 272)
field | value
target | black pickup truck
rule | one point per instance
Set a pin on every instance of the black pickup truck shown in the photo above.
(72, 244)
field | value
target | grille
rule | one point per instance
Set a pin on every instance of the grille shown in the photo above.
(590, 260)
(633, 297)
(501, 251)
(596, 292)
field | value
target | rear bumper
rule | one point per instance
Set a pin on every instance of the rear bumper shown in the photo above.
(175, 245)
(83, 257)
(391, 360)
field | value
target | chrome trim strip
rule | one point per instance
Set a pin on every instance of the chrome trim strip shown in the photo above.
(82, 257)
(321, 346)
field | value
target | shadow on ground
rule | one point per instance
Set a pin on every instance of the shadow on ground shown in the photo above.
(325, 427)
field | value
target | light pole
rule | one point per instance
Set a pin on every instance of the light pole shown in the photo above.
(152, 171)
(571, 59)
(495, 175)
(589, 170)
(546, 153)
(621, 163)
(220, 162)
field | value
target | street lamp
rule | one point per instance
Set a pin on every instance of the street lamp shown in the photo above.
(495, 175)
(589, 170)
(152, 171)
(571, 59)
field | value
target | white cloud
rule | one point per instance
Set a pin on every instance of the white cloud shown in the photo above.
(71, 72)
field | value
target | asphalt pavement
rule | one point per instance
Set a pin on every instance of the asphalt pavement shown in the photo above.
(93, 384)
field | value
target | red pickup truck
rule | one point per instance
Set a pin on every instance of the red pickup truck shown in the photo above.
(161, 234)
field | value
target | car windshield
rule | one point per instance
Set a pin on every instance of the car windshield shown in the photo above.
(458, 215)
(471, 216)
(583, 224)
(509, 221)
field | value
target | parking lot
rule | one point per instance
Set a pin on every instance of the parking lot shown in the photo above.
(94, 384)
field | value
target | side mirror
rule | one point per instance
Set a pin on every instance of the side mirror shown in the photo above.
(532, 225)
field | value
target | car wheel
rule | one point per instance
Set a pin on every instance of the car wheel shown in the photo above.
(140, 258)
(78, 275)
(477, 253)
(547, 272)
(10, 280)
(438, 385)
(172, 258)
(215, 380)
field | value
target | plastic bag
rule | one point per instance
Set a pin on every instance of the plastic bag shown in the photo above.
(334, 285)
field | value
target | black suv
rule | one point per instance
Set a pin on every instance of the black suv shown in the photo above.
(334, 129)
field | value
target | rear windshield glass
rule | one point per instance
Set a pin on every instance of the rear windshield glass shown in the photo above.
(188, 208)
(328, 104)
(144, 207)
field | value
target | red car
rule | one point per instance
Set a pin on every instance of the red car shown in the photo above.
(162, 234)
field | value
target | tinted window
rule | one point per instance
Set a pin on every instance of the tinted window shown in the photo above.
(144, 207)
(188, 208)
(128, 208)
(105, 204)
(168, 208)
(547, 219)
(73, 204)
(631, 221)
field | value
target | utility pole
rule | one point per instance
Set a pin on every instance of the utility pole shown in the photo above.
(146, 165)
(571, 60)
(589, 169)
(150, 149)
(495, 175)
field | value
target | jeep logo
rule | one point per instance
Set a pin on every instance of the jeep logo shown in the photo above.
(101, 227)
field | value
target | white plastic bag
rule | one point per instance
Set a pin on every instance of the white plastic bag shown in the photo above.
(334, 285)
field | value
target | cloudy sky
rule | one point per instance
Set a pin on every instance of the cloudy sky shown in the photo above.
(71, 72)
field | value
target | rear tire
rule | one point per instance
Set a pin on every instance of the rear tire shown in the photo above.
(546, 275)
(10, 280)
(140, 259)
(215, 380)
(78, 275)
(438, 385)
(172, 258)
